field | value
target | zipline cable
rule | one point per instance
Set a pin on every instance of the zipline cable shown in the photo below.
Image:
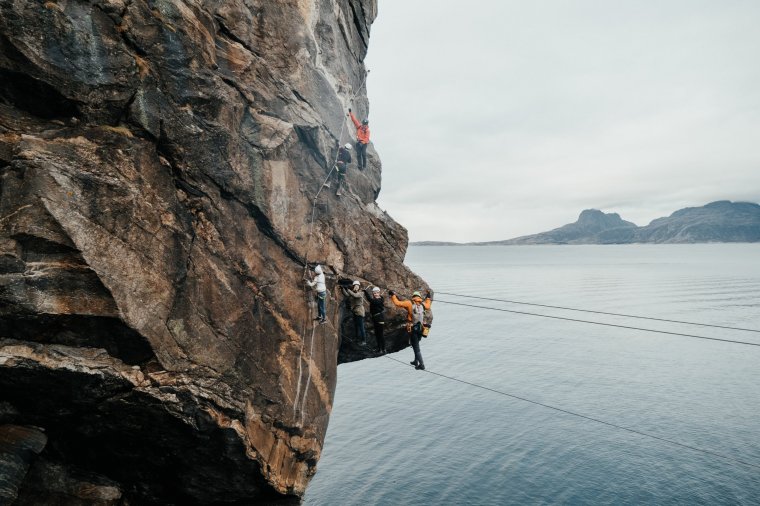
(599, 312)
(439, 301)
(586, 417)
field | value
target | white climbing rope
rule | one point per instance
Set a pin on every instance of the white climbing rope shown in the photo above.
(332, 168)
(302, 393)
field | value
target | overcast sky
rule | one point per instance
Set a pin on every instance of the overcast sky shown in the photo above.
(502, 118)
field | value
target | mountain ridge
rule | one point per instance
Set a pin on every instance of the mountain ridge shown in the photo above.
(719, 221)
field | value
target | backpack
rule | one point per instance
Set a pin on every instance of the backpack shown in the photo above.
(427, 322)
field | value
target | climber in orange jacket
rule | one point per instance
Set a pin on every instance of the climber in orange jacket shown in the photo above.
(415, 317)
(362, 140)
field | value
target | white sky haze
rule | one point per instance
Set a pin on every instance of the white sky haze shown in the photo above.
(496, 119)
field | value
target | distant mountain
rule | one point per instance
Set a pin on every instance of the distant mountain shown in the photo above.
(591, 225)
(721, 221)
(436, 243)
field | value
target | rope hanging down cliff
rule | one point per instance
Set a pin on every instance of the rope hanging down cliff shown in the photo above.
(309, 315)
(332, 168)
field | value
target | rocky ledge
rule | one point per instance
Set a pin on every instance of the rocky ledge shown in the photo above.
(159, 168)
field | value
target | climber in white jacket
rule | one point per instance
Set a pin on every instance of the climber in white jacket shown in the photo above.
(318, 283)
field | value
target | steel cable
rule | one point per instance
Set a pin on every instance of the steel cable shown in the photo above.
(439, 301)
(586, 417)
(600, 312)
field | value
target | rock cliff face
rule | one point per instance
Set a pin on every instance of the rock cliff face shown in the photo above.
(159, 168)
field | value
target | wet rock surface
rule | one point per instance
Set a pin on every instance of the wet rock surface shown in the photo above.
(160, 163)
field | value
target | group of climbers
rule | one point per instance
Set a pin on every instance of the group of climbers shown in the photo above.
(418, 309)
(343, 156)
(418, 317)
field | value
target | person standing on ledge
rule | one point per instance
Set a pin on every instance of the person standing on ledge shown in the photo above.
(318, 283)
(356, 304)
(377, 312)
(415, 318)
(362, 140)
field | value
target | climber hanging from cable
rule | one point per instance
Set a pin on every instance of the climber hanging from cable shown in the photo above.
(377, 312)
(342, 160)
(362, 140)
(356, 304)
(416, 309)
(318, 283)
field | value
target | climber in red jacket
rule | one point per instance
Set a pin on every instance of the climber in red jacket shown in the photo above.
(362, 140)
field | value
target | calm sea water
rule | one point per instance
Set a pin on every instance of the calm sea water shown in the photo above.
(403, 437)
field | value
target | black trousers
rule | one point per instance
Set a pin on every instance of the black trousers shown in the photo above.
(414, 339)
(340, 173)
(359, 326)
(379, 325)
(361, 155)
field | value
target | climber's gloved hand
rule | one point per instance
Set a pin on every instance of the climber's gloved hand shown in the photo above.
(427, 295)
(391, 293)
(349, 109)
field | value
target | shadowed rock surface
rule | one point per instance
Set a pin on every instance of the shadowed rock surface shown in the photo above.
(18, 448)
(158, 164)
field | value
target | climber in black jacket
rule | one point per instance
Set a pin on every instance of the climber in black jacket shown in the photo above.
(377, 311)
(341, 164)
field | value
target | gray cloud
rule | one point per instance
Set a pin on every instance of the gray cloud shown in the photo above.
(502, 118)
